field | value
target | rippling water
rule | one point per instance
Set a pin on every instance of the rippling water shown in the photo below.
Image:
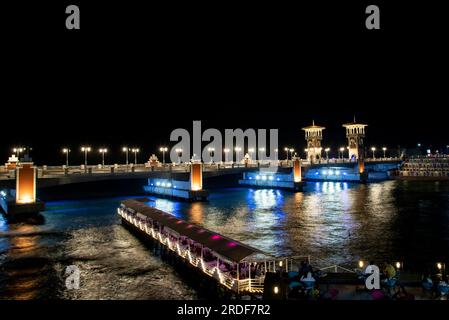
(336, 222)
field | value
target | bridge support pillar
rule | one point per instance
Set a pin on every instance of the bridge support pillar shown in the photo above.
(25, 201)
(361, 167)
(297, 175)
(196, 181)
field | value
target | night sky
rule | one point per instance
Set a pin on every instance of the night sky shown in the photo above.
(133, 73)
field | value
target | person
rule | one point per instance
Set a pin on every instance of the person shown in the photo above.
(303, 269)
(308, 281)
(308, 278)
(389, 270)
(402, 294)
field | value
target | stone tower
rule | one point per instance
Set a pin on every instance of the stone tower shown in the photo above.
(313, 136)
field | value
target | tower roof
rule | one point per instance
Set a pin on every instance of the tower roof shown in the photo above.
(313, 127)
(354, 124)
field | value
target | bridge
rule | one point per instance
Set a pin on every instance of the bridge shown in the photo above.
(49, 176)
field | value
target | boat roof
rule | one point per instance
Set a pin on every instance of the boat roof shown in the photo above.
(230, 249)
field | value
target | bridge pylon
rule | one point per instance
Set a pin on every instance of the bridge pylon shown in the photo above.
(313, 136)
(355, 133)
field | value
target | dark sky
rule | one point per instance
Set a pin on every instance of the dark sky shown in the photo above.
(133, 73)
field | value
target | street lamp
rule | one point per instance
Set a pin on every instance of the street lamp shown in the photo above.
(276, 153)
(226, 151)
(327, 153)
(373, 149)
(18, 151)
(179, 152)
(286, 151)
(126, 151)
(237, 152)
(384, 149)
(85, 150)
(342, 149)
(66, 151)
(291, 152)
(211, 153)
(136, 151)
(251, 152)
(261, 156)
(163, 150)
(103, 151)
(347, 148)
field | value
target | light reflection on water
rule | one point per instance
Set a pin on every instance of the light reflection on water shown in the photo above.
(337, 222)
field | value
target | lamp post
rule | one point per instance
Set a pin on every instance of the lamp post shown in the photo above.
(126, 151)
(18, 151)
(163, 150)
(251, 152)
(179, 153)
(136, 151)
(276, 153)
(327, 153)
(384, 149)
(226, 152)
(373, 149)
(66, 151)
(342, 149)
(260, 156)
(103, 151)
(286, 151)
(347, 148)
(211, 153)
(85, 150)
(291, 152)
(237, 152)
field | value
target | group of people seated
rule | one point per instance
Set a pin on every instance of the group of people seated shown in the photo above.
(437, 284)
(304, 283)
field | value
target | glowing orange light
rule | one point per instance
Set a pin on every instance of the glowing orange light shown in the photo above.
(26, 184)
(361, 166)
(196, 177)
(297, 170)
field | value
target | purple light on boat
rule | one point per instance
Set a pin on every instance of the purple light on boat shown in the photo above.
(232, 244)
(215, 237)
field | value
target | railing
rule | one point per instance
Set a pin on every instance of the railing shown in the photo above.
(251, 285)
(336, 269)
